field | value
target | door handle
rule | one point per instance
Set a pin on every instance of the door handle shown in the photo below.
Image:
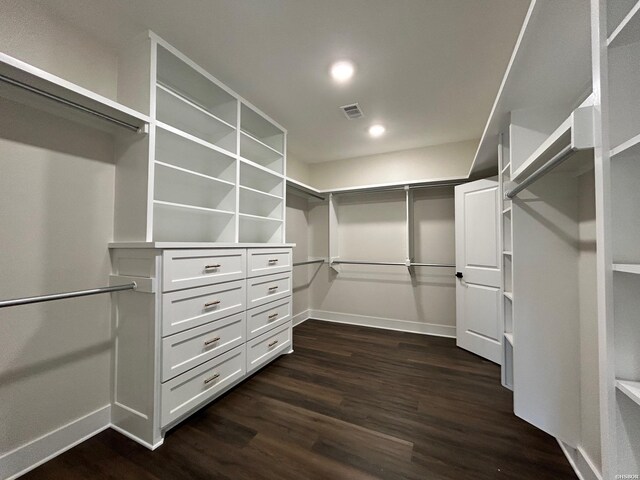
(459, 274)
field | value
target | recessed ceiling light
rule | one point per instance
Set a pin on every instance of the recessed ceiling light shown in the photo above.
(342, 71)
(376, 130)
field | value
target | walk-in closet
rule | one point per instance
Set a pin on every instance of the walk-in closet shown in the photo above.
(291, 239)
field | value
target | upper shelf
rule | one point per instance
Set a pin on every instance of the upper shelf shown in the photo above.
(628, 30)
(576, 131)
(33, 86)
(550, 65)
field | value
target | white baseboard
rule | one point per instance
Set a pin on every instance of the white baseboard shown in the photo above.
(582, 465)
(33, 454)
(136, 439)
(301, 317)
(385, 323)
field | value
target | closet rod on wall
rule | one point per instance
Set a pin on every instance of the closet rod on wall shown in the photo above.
(69, 103)
(563, 155)
(308, 262)
(60, 296)
(395, 188)
(311, 194)
(412, 264)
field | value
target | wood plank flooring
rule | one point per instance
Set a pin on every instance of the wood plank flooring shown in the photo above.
(349, 403)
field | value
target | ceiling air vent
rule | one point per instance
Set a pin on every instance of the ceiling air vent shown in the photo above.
(352, 111)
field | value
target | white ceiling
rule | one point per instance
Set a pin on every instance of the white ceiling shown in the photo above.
(428, 70)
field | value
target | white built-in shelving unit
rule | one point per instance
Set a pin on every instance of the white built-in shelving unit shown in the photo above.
(216, 164)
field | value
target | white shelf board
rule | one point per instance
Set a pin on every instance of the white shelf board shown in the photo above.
(506, 167)
(507, 253)
(166, 245)
(506, 211)
(259, 192)
(191, 172)
(630, 389)
(193, 207)
(628, 31)
(630, 147)
(508, 295)
(260, 142)
(260, 218)
(23, 72)
(550, 64)
(260, 167)
(576, 130)
(509, 337)
(192, 104)
(626, 268)
(193, 138)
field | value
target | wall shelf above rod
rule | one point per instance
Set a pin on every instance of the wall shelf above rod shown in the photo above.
(25, 83)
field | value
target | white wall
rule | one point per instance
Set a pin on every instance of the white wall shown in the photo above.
(298, 170)
(427, 163)
(372, 227)
(56, 212)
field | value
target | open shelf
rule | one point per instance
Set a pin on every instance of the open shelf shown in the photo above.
(260, 230)
(172, 110)
(506, 168)
(630, 389)
(40, 81)
(257, 127)
(508, 295)
(260, 153)
(507, 211)
(509, 337)
(624, 85)
(576, 131)
(196, 88)
(620, 13)
(625, 214)
(181, 152)
(508, 253)
(183, 223)
(626, 268)
(256, 178)
(178, 186)
(255, 202)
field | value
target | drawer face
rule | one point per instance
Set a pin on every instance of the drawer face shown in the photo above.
(194, 268)
(194, 307)
(188, 349)
(261, 290)
(263, 261)
(271, 315)
(268, 346)
(193, 388)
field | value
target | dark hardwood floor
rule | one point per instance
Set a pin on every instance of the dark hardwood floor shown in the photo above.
(350, 403)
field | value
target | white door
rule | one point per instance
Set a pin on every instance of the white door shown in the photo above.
(479, 264)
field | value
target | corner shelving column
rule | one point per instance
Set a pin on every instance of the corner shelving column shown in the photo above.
(504, 164)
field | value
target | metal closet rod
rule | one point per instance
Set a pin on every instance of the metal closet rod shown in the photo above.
(412, 264)
(557, 159)
(307, 262)
(68, 103)
(61, 296)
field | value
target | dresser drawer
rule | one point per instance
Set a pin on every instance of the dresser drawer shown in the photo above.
(188, 349)
(194, 268)
(263, 261)
(191, 308)
(193, 388)
(261, 290)
(268, 346)
(271, 315)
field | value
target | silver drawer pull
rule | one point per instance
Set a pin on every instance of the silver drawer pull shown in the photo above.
(273, 260)
(213, 340)
(212, 304)
(273, 343)
(211, 267)
(271, 317)
(211, 379)
(272, 289)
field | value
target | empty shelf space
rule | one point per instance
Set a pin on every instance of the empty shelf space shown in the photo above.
(259, 192)
(192, 172)
(506, 168)
(507, 211)
(175, 111)
(263, 205)
(193, 207)
(260, 153)
(186, 100)
(509, 337)
(257, 178)
(179, 223)
(626, 268)
(628, 30)
(629, 148)
(508, 295)
(257, 127)
(630, 389)
(624, 84)
(260, 229)
(259, 218)
(507, 253)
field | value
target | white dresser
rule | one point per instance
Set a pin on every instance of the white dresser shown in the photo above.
(200, 321)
